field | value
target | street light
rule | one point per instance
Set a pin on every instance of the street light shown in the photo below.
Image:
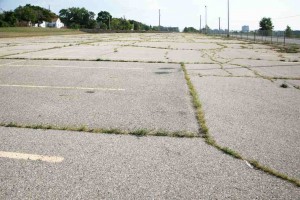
(200, 25)
(228, 20)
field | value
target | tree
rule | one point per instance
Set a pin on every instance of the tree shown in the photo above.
(190, 30)
(7, 19)
(266, 26)
(104, 17)
(33, 13)
(120, 24)
(288, 31)
(77, 17)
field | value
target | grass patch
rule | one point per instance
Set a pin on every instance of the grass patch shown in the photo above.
(9, 32)
(139, 132)
(84, 128)
(289, 49)
(211, 141)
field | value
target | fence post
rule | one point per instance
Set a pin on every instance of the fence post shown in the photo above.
(277, 37)
(271, 37)
(284, 38)
(254, 36)
(247, 35)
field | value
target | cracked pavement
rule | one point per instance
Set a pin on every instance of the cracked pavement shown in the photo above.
(239, 85)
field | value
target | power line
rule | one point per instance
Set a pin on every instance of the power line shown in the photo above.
(288, 17)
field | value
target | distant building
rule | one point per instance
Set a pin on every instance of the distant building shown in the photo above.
(245, 28)
(55, 23)
(43, 24)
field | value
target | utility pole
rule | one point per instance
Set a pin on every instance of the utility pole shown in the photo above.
(219, 24)
(200, 23)
(159, 20)
(228, 20)
(205, 19)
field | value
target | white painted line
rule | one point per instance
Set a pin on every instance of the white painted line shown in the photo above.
(57, 87)
(23, 156)
(12, 62)
(76, 67)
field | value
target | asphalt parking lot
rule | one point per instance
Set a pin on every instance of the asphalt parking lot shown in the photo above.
(132, 82)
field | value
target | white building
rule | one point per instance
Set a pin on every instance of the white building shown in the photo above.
(55, 23)
(245, 28)
(43, 24)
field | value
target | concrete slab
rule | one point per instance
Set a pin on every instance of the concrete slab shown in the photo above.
(255, 117)
(256, 54)
(21, 48)
(137, 54)
(206, 69)
(187, 56)
(70, 52)
(152, 96)
(126, 167)
(238, 71)
(272, 68)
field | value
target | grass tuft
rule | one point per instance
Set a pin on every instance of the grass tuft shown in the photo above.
(139, 132)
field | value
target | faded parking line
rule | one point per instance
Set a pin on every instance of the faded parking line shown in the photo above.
(58, 87)
(34, 157)
(12, 62)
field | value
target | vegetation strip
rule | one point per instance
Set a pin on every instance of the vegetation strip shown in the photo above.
(105, 60)
(211, 141)
(137, 132)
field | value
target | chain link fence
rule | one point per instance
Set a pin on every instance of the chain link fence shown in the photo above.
(273, 37)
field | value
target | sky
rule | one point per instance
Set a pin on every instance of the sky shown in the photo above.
(182, 13)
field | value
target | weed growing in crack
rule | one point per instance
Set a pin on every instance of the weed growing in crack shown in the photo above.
(138, 132)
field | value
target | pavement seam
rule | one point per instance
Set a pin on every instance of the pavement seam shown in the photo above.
(209, 139)
(137, 132)
(107, 60)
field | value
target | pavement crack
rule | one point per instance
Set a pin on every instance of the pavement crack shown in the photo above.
(210, 140)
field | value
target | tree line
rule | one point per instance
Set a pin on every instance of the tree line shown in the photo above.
(74, 17)
(26, 13)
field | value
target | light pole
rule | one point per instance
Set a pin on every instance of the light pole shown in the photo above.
(159, 20)
(205, 19)
(200, 24)
(228, 20)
